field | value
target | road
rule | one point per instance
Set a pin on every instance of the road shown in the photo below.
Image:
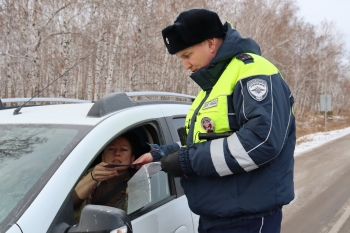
(322, 191)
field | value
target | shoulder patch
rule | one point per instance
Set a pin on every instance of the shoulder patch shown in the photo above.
(246, 58)
(257, 89)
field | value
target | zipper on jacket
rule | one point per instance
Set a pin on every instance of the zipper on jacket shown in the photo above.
(192, 121)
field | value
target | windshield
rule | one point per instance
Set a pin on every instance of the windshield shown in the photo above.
(29, 156)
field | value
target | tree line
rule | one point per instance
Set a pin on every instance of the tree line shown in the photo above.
(121, 40)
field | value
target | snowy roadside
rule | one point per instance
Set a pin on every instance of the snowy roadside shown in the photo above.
(312, 141)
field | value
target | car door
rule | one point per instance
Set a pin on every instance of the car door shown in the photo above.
(172, 213)
(175, 122)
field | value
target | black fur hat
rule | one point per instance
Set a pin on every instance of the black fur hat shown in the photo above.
(192, 27)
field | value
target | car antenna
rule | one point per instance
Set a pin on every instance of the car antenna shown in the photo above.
(17, 110)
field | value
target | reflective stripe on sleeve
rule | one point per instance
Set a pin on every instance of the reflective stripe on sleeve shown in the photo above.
(218, 157)
(239, 153)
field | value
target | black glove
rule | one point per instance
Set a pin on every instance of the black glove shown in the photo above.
(171, 165)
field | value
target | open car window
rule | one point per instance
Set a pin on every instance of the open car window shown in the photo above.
(157, 186)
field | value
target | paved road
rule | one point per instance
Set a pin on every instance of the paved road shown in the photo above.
(322, 191)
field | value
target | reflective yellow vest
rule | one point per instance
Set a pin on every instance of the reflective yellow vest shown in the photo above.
(214, 114)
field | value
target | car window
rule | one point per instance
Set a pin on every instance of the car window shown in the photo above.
(158, 187)
(178, 122)
(29, 155)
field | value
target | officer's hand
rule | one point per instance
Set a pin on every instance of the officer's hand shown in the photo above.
(171, 165)
(144, 159)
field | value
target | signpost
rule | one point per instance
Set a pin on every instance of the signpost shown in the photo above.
(326, 106)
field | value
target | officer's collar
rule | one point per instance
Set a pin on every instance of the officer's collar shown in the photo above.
(207, 77)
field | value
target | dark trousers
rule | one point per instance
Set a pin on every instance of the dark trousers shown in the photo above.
(266, 224)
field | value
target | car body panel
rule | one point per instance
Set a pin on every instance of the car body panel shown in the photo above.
(14, 229)
(195, 221)
(166, 218)
(51, 114)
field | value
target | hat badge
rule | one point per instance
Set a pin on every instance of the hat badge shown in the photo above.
(167, 40)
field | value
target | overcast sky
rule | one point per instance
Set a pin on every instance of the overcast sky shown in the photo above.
(338, 11)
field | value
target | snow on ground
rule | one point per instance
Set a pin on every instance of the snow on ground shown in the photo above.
(312, 141)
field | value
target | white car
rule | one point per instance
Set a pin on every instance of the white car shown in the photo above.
(45, 150)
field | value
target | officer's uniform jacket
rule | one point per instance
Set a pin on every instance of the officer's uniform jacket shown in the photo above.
(250, 173)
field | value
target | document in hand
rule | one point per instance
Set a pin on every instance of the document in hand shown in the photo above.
(139, 186)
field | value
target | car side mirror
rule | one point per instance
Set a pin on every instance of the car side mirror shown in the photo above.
(98, 218)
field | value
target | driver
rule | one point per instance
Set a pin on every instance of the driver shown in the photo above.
(107, 185)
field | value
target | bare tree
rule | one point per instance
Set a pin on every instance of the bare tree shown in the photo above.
(42, 39)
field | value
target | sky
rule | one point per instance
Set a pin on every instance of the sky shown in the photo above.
(314, 140)
(338, 11)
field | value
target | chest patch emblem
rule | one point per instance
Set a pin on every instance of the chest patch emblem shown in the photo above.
(257, 89)
(207, 124)
(210, 104)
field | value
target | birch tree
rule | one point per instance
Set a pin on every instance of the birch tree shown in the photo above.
(42, 39)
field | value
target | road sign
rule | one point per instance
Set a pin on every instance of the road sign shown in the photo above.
(326, 106)
(326, 103)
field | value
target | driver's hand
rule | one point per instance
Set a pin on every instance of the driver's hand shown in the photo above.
(102, 173)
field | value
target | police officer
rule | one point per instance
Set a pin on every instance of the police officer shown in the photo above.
(240, 182)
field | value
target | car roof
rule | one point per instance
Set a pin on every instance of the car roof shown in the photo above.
(80, 112)
(51, 114)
